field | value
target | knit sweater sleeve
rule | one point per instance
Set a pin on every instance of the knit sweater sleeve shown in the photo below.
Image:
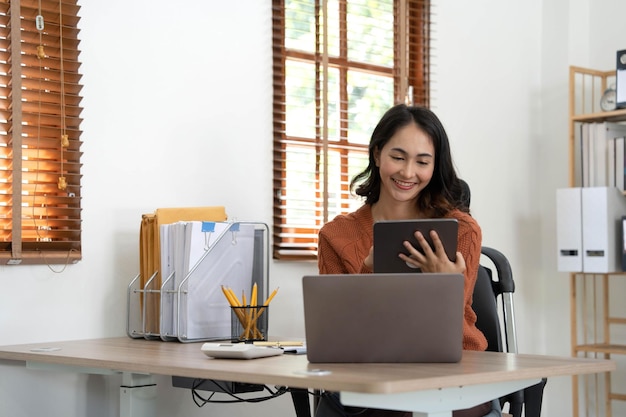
(344, 243)
(329, 261)
(469, 244)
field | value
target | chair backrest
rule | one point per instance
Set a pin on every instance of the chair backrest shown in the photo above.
(486, 309)
(500, 329)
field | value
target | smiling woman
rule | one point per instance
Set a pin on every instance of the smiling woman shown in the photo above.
(410, 175)
(40, 179)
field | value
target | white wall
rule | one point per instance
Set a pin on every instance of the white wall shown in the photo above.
(163, 127)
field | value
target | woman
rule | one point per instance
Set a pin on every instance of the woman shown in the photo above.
(410, 176)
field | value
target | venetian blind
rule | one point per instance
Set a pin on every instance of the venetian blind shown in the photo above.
(40, 213)
(338, 65)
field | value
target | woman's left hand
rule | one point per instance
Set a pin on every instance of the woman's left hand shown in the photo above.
(432, 260)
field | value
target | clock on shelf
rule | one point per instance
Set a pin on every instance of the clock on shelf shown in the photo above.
(608, 102)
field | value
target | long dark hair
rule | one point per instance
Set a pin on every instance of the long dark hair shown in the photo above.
(445, 190)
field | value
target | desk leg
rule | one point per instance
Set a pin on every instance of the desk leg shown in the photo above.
(137, 395)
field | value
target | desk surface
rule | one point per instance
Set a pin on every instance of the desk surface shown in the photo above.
(186, 359)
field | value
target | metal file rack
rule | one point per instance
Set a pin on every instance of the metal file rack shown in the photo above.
(178, 307)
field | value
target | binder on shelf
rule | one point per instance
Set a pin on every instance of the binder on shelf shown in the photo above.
(577, 168)
(623, 242)
(569, 229)
(192, 306)
(611, 163)
(585, 154)
(598, 153)
(602, 211)
(589, 230)
(620, 168)
(620, 80)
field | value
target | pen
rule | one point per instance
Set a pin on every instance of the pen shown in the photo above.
(279, 343)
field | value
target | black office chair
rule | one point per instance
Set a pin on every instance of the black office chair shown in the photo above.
(500, 331)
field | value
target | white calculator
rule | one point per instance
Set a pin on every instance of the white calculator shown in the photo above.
(239, 350)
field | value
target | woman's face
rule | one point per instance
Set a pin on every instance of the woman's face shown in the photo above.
(406, 164)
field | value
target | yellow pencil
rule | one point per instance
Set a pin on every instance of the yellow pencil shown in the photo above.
(232, 300)
(267, 301)
(234, 297)
(265, 304)
(253, 296)
(249, 330)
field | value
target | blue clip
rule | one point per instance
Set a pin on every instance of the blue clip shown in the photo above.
(208, 227)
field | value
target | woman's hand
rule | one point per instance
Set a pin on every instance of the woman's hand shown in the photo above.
(432, 260)
(369, 261)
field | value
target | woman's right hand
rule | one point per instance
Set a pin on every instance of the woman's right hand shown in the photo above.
(369, 261)
(432, 260)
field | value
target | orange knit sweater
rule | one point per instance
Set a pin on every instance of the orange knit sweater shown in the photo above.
(345, 242)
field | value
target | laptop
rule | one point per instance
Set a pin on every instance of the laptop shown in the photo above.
(389, 236)
(383, 318)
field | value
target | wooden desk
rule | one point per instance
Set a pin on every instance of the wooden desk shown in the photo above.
(426, 389)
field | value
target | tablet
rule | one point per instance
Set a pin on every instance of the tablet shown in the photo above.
(389, 235)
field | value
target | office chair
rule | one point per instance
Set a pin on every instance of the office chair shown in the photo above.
(500, 331)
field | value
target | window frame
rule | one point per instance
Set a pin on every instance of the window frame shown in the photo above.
(411, 79)
(40, 192)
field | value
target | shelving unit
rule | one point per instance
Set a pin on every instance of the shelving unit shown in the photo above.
(591, 318)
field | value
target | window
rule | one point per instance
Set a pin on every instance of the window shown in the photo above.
(40, 214)
(338, 65)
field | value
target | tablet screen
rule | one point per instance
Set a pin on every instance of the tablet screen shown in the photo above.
(389, 235)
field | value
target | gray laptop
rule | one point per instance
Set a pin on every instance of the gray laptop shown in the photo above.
(383, 318)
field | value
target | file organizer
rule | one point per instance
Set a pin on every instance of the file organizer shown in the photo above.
(193, 308)
(150, 250)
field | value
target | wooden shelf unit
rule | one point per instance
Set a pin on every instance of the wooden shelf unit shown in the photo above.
(590, 326)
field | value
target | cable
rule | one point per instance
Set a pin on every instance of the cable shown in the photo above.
(332, 401)
(201, 401)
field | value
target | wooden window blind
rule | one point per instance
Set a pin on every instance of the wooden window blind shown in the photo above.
(40, 191)
(338, 65)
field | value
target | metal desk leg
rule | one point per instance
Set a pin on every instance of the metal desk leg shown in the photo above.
(137, 395)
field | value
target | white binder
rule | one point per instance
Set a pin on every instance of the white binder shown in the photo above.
(589, 230)
(569, 229)
(602, 211)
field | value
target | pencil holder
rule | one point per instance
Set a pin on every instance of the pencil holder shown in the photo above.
(249, 323)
